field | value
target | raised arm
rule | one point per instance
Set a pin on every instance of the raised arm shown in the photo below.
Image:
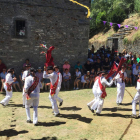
(45, 75)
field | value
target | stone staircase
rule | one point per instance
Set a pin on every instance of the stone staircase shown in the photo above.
(122, 32)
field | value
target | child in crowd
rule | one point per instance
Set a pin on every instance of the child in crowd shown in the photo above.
(20, 77)
(86, 79)
(129, 78)
(66, 79)
(3, 75)
(92, 77)
(77, 79)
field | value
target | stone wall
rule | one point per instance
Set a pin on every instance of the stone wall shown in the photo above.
(59, 23)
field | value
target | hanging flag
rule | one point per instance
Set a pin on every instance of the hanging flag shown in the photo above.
(104, 22)
(111, 24)
(136, 28)
(119, 25)
(126, 26)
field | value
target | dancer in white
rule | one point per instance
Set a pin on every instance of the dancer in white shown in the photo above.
(101, 93)
(54, 78)
(8, 87)
(91, 104)
(32, 89)
(136, 99)
(25, 74)
(120, 77)
(56, 68)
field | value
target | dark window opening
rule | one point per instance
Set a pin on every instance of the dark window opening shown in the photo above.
(20, 30)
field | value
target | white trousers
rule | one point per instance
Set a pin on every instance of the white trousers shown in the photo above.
(120, 92)
(23, 97)
(33, 101)
(56, 95)
(54, 103)
(7, 98)
(100, 105)
(135, 100)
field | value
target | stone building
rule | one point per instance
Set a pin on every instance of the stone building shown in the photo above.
(25, 24)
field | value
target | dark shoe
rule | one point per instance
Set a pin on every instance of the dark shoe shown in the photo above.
(57, 115)
(23, 106)
(89, 107)
(61, 103)
(29, 121)
(36, 124)
(92, 111)
(138, 117)
(2, 104)
(98, 114)
(118, 104)
(134, 116)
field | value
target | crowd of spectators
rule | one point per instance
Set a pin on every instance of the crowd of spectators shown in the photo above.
(85, 74)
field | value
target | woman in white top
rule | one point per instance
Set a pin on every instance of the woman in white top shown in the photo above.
(77, 79)
(85, 79)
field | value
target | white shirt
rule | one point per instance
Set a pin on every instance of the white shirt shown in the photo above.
(66, 76)
(95, 86)
(25, 73)
(119, 80)
(135, 71)
(78, 73)
(9, 79)
(138, 86)
(60, 79)
(28, 82)
(53, 77)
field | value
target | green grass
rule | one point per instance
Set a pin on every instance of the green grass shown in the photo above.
(76, 121)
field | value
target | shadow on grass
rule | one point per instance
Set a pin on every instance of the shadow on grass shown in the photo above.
(12, 132)
(46, 138)
(3, 93)
(126, 104)
(74, 108)
(76, 117)
(48, 107)
(116, 115)
(115, 109)
(56, 123)
(15, 105)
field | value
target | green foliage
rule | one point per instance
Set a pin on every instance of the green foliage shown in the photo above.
(125, 41)
(102, 9)
(117, 16)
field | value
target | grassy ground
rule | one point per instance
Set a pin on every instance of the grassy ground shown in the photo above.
(76, 121)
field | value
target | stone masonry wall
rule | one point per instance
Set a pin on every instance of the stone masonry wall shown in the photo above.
(59, 23)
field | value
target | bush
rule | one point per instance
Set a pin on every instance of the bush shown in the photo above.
(117, 16)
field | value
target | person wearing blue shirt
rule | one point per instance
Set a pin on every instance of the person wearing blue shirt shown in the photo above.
(3, 75)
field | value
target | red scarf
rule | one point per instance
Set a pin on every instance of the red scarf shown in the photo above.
(53, 87)
(9, 87)
(33, 86)
(103, 95)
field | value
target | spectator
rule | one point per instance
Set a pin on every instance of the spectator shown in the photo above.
(90, 59)
(2, 66)
(87, 66)
(92, 76)
(129, 78)
(86, 79)
(20, 77)
(77, 79)
(46, 82)
(26, 63)
(2, 75)
(78, 66)
(66, 66)
(135, 74)
(39, 74)
(138, 59)
(66, 79)
(106, 64)
(98, 64)
(16, 83)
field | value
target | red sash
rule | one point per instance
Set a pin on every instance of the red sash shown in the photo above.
(9, 86)
(53, 87)
(138, 80)
(103, 95)
(33, 86)
(122, 76)
(96, 78)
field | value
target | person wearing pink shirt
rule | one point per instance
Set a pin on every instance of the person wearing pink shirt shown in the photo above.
(66, 66)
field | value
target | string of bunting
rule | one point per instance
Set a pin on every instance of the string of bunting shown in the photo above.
(119, 25)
